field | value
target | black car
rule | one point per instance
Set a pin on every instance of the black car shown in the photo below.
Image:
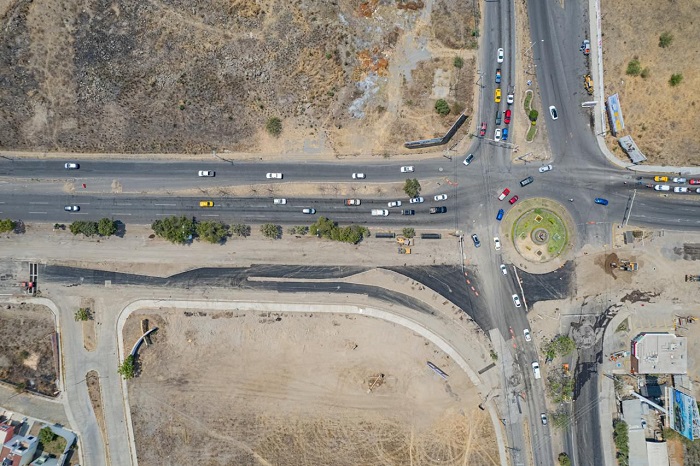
(477, 243)
(438, 210)
(526, 181)
(408, 212)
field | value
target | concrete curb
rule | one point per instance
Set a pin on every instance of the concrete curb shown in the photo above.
(302, 308)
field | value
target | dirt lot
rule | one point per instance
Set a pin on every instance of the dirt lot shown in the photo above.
(155, 76)
(231, 388)
(26, 349)
(656, 114)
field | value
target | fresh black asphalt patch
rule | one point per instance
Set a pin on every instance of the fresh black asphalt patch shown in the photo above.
(545, 287)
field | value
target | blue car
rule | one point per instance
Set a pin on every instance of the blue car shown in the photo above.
(504, 135)
(499, 216)
(601, 201)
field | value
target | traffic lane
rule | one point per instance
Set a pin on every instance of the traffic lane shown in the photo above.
(240, 171)
(666, 211)
(51, 208)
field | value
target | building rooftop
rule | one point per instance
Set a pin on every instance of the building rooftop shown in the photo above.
(659, 353)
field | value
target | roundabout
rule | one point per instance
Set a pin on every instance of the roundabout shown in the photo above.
(541, 230)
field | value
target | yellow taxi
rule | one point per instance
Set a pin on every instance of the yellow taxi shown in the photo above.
(661, 178)
(497, 97)
(206, 203)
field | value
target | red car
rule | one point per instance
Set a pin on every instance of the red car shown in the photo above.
(483, 129)
(506, 118)
(513, 199)
(694, 181)
(504, 194)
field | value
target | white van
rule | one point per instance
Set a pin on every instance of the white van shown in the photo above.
(380, 212)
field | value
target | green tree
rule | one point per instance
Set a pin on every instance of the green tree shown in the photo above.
(327, 228)
(270, 230)
(46, 435)
(621, 437)
(412, 187)
(86, 228)
(127, 369)
(409, 232)
(533, 115)
(7, 225)
(458, 62)
(665, 40)
(442, 107)
(645, 73)
(634, 68)
(212, 231)
(240, 229)
(178, 230)
(675, 79)
(564, 459)
(82, 314)
(106, 227)
(274, 126)
(565, 345)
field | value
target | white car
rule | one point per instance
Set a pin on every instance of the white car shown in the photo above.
(71, 208)
(680, 180)
(358, 176)
(308, 210)
(536, 369)
(504, 269)
(546, 168)
(440, 197)
(680, 189)
(416, 200)
(510, 99)
(516, 300)
(543, 416)
(469, 159)
(697, 190)
(274, 176)
(71, 166)
(280, 201)
(497, 243)
(408, 169)
(501, 55)
(553, 112)
(352, 202)
(206, 173)
(394, 204)
(662, 187)
(497, 134)
(526, 332)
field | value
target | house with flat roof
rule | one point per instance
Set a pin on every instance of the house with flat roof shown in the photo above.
(19, 451)
(659, 353)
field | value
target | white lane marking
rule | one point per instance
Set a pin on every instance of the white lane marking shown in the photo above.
(165, 204)
(37, 212)
(122, 204)
(119, 213)
(39, 203)
(210, 215)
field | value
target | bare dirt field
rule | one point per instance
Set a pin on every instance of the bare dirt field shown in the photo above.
(173, 76)
(26, 349)
(656, 114)
(222, 388)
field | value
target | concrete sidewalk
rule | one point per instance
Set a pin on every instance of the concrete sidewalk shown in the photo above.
(600, 122)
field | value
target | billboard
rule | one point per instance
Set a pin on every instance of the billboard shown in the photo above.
(685, 418)
(617, 123)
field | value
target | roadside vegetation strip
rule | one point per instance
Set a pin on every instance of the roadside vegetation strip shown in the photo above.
(528, 110)
(531, 133)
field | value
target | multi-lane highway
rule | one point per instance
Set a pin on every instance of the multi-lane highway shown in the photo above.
(144, 191)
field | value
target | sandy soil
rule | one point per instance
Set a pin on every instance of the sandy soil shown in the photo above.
(655, 113)
(294, 390)
(92, 379)
(26, 350)
(160, 258)
(336, 73)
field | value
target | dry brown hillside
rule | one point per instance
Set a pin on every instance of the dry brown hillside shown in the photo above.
(182, 76)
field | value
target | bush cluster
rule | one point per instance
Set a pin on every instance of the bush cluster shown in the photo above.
(329, 229)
